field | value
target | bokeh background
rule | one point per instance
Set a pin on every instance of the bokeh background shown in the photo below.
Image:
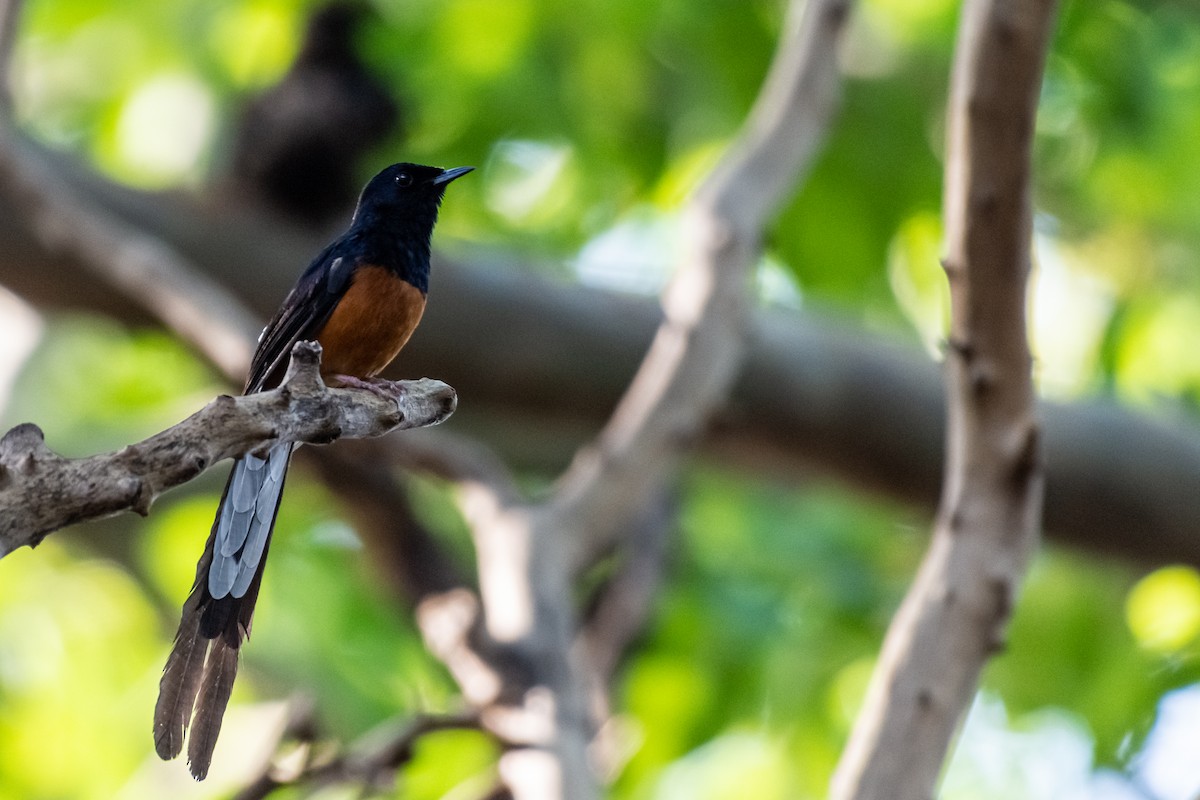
(590, 122)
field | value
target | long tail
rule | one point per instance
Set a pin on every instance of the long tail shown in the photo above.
(198, 677)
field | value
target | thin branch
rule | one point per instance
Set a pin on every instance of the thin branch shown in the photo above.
(456, 458)
(698, 349)
(371, 763)
(956, 612)
(618, 615)
(41, 491)
(623, 604)
(451, 624)
(448, 611)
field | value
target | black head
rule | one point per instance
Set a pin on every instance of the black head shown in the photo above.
(406, 193)
(394, 220)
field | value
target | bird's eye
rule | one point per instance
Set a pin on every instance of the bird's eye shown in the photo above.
(403, 179)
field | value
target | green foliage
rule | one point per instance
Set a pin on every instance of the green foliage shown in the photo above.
(1072, 611)
(449, 763)
(772, 596)
(79, 649)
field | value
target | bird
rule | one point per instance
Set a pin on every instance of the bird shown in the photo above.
(361, 298)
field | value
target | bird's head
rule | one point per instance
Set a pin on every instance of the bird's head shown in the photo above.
(406, 192)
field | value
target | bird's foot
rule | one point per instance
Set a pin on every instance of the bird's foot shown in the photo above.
(388, 390)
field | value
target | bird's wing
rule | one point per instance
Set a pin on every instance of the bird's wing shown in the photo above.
(302, 314)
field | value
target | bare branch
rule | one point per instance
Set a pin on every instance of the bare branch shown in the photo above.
(455, 458)
(619, 612)
(699, 345)
(41, 491)
(371, 763)
(956, 612)
(617, 616)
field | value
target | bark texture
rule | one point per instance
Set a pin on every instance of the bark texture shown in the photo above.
(41, 491)
(955, 614)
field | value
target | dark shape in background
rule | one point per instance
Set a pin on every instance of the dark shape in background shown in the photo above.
(298, 144)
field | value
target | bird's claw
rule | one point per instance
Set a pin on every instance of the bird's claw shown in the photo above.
(388, 390)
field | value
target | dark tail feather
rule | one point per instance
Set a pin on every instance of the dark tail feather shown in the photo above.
(223, 624)
(181, 676)
(198, 678)
(219, 673)
(178, 688)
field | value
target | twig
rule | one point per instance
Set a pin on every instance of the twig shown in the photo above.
(448, 611)
(368, 762)
(955, 614)
(41, 491)
(698, 349)
(455, 458)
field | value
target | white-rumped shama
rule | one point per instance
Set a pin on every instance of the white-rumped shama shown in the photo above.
(361, 298)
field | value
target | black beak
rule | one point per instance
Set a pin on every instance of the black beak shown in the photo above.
(449, 175)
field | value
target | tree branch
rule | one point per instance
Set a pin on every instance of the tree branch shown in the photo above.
(618, 614)
(698, 349)
(457, 459)
(41, 491)
(371, 763)
(956, 612)
(375, 499)
(126, 257)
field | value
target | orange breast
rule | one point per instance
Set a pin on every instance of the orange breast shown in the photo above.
(371, 323)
